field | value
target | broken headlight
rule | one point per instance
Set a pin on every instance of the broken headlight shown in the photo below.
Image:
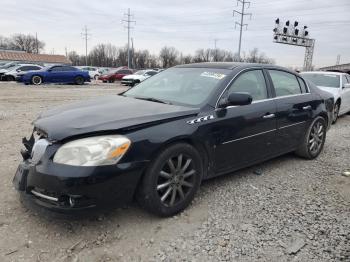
(93, 151)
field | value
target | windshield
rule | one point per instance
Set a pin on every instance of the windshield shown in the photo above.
(8, 67)
(327, 80)
(187, 86)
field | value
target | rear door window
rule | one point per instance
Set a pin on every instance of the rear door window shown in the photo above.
(285, 84)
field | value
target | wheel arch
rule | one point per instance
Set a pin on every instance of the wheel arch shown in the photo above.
(199, 146)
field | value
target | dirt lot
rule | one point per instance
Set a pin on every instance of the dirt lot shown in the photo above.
(291, 210)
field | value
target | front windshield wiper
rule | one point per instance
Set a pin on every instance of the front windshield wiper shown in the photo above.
(152, 99)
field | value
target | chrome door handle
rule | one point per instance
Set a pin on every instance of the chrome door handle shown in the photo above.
(307, 107)
(269, 116)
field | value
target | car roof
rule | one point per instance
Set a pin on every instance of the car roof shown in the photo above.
(323, 72)
(231, 65)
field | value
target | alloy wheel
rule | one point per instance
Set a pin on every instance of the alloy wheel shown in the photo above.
(316, 138)
(335, 112)
(36, 80)
(176, 180)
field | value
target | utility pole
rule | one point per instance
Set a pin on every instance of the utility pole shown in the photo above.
(85, 35)
(128, 21)
(241, 24)
(132, 53)
(338, 60)
(215, 48)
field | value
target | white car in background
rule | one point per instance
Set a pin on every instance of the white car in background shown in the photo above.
(12, 73)
(93, 71)
(335, 83)
(138, 77)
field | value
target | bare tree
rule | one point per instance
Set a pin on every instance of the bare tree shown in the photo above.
(168, 56)
(27, 43)
(255, 57)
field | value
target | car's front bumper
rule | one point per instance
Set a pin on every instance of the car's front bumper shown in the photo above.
(127, 82)
(67, 188)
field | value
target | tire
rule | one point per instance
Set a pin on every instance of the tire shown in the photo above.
(336, 112)
(10, 78)
(36, 80)
(111, 81)
(167, 189)
(314, 139)
(79, 80)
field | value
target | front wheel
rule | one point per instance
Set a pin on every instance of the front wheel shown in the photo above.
(37, 80)
(314, 139)
(171, 181)
(79, 80)
(336, 112)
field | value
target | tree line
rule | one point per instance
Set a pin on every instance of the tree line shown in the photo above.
(107, 55)
(21, 42)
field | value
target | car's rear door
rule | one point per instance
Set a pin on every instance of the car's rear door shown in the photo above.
(246, 134)
(294, 108)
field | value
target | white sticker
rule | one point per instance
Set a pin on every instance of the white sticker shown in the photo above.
(213, 75)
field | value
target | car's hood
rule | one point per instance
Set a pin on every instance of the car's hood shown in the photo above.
(3, 70)
(333, 90)
(105, 114)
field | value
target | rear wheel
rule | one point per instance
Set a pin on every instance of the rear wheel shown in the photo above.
(314, 139)
(10, 78)
(171, 181)
(111, 80)
(336, 112)
(37, 80)
(79, 80)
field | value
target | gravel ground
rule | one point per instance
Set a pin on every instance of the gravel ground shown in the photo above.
(286, 209)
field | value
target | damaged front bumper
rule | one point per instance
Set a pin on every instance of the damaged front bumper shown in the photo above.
(67, 188)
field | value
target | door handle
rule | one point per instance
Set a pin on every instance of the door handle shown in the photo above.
(307, 107)
(269, 116)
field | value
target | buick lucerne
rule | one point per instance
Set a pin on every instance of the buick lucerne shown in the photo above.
(157, 141)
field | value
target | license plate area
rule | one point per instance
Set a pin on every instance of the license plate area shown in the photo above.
(20, 179)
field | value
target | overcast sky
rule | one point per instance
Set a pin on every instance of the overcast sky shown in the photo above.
(184, 24)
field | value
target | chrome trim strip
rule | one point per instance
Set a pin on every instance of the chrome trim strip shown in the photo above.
(295, 124)
(44, 196)
(227, 142)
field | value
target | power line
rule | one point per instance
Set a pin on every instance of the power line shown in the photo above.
(241, 24)
(85, 34)
(128, 26)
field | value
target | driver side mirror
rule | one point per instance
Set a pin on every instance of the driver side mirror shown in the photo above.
(236, 99)
(346, 86)
(18, 70)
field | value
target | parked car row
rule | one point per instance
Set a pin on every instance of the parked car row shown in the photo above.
(37, 74)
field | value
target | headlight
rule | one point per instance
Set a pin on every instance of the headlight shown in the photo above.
(93, 151)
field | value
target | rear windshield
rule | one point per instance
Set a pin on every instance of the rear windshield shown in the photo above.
(327, 80)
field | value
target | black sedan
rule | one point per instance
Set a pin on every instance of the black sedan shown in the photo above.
(157, 141)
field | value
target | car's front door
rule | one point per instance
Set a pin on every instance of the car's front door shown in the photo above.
(55, 74)
(245, 134)
(294, 108)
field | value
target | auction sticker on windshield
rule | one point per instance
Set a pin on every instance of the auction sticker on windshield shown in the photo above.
(213, 75)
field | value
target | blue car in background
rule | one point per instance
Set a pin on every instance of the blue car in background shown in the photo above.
(56, 74)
